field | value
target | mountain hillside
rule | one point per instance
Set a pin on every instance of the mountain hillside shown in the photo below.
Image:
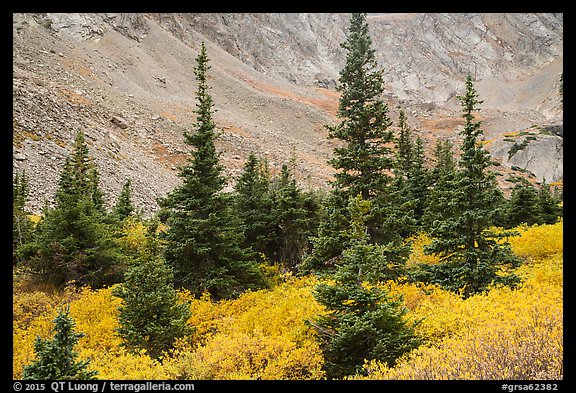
(126, 80)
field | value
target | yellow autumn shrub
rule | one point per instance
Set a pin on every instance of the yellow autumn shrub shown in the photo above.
(509, 335)
(260, 335)
(254, 355)
(133, 234)
(417, 255)
(501, 334)
(95, 314)
(538, 241)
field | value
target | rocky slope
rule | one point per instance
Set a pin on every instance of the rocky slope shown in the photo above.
(126, 80)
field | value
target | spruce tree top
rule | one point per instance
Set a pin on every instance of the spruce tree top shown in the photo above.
(362, 163)
(80, 177)
(474, 159)
(56, 357)
(204, 171)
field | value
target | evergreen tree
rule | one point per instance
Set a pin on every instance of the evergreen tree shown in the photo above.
(419, 182)
(22, 226)
(445, 163)
(548, 208)
(124, 207)
(151, 316)
(442, 183)
(204, 237)
(401, 191)
(363, 322)
(404, 147)
(331, 239)
(411, 177)
(254, 206)
(279, 217)
(364, 163)
(56, 357)
(522, 207)
(73, 241)
(294, 217)
(471, 257)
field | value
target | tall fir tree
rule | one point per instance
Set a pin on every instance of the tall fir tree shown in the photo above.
(364, 162)
(294, 214)
(278, 216)
(411, 180)
(404, 147)
(74, 241)
(419, 182)
(204, 238)
(522, 207)
(442, 182)
(471, 255)
(56, 358)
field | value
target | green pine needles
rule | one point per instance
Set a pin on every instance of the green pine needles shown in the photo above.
(204, 246)
(151, 316)
(56, 357)
(75, 241)
(363, 322)
(473, 257)
(364, 165)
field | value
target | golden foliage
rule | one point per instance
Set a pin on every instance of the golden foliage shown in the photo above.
(538, 241)
(261, 335)
(418, 256)
(505, 334)
(133, 233)
(500, 334)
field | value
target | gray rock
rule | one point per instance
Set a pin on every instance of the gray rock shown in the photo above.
(543, 157)
(119, 121)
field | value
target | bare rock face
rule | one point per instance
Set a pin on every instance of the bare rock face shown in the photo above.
(127, 82)
(535, 151)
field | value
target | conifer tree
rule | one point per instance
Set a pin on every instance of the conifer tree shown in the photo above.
(74, 241)
(404, 147)
(363, 321)
(411, 180)
(445, 163)
(442, 183)
(364, 163)
(419, 182)
(56, 358)
(279, 217)
(294, 217)
(124, 207)
(471, 257)
(254, 206)
(22, 226)
(151, 316)
(548, 206)
(204, 239)
(522, 207)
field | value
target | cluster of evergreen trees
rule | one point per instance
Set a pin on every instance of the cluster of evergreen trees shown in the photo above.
(218, 242)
